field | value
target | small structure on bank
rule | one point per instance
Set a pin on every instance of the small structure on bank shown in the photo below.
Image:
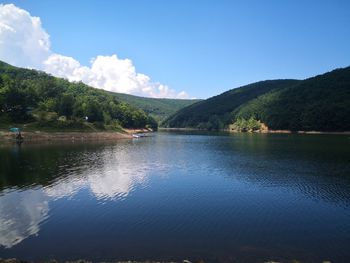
(17, 133)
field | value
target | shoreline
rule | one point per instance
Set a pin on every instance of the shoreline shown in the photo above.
(263, 131)
(65, 136)
(179, 129)
(297, 132)
(39, 136)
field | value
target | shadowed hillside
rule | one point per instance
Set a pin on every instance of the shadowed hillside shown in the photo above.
(320, 103)
(216, 111)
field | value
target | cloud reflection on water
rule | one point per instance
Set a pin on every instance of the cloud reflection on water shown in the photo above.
(105, 177)
(22, 212)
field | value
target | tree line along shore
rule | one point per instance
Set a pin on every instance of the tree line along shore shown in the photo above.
(35, 101)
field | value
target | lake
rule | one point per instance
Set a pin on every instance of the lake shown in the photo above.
(177, 195)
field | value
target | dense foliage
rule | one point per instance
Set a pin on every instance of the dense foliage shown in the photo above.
(250, 124)
(159, 109)
(30, 95)
(320, 103)
(216, 112)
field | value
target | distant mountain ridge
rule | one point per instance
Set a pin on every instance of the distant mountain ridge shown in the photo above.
(158, 108)
(319, 103)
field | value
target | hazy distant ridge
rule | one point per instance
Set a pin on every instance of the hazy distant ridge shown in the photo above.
(158, 108)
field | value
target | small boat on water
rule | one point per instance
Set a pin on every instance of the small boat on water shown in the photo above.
(139, 135)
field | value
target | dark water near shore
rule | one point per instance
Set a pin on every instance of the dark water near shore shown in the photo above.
(173, 196)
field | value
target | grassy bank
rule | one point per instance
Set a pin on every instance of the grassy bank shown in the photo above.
(81, 127)
(66, 136)
(86, 132)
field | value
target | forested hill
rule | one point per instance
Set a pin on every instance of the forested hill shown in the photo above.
(215, 112)
(320, 103)
(31, 96)
(158, 108)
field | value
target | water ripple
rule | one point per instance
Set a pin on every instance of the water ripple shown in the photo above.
(245, 196)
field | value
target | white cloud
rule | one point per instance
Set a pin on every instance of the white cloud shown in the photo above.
(24, 43)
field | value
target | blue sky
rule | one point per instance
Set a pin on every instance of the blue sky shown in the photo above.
(203, 47)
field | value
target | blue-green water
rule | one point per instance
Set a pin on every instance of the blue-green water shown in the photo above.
(174, 196)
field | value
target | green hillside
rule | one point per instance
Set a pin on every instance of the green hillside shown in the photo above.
(216, 112)
(320, 103)
(159, 109)
(31, 96)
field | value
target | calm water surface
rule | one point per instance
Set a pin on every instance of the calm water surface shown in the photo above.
(173, 196)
